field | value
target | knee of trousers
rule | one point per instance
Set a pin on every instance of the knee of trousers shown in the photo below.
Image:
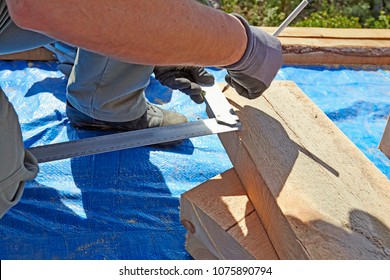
(17, 164)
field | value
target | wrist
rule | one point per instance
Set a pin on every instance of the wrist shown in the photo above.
(262, 57)
(249, 48)
(241, 42)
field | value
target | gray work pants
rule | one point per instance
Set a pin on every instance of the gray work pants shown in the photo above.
(100, 87)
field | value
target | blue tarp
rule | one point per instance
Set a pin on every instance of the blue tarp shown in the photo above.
(119, 205)
(125, 205)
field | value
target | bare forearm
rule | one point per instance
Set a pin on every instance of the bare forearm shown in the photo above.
(157, 32)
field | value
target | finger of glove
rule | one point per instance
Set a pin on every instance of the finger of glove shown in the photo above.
(195, 92)
(251, 89)
(175, 79)
(198, 99)
(239, 89)
(175, 83)
(192, 89)
(201, 76)
(185, 86)
(165, 77)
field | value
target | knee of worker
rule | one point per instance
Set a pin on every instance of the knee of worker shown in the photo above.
(108, 89)
(95, 74)
(18, 165)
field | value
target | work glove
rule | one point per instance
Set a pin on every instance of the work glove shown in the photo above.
(262, 59)
(187, 79)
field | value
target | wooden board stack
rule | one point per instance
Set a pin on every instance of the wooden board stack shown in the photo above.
(299, 189)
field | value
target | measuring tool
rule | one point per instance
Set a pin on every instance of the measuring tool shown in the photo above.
(224, 120)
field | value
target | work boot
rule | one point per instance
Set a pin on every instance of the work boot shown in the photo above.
(153, 117)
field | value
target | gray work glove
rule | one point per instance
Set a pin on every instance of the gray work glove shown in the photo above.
(187, 79)
(262, 59)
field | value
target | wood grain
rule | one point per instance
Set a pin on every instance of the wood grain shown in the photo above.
(219, 215)
(324, 46)
(317, 195)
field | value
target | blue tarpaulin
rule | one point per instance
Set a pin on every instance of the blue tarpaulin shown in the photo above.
(125, 204)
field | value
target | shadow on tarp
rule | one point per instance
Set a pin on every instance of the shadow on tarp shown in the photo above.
(117, 205)
(40, 86)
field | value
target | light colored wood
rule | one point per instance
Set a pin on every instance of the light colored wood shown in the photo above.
(339, 33)
(39, 54)
(317, 195)
(336, 43)
(319, 46)
(198, 250)
(384, 145)
(219, 215)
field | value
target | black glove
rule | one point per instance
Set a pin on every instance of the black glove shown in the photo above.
(187, 79)
(262, 59)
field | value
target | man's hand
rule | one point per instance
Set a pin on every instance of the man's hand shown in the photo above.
(254, 72)
(187, 79)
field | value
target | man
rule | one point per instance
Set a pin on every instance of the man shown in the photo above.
(154, 32)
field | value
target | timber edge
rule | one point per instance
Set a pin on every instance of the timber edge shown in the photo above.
(39, 54)
(334, 46)
(303, 46)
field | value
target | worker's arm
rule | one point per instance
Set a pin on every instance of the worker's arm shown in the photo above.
(159, 32)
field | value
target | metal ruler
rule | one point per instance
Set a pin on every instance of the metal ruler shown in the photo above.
(224, 120)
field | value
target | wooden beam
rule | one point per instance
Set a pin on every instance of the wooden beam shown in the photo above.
(335, 46)
(335, 33)
(220, 217)
(39, 54)
(337, 43)
(384, 145)
(316, 194)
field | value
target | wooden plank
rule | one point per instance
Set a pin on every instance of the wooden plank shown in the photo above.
(337, 33)
(317, 195)
(320, 46)
(384, 145)
(331, 58)
(39, 54)
(335, 51)
(336, 43)
(219, 215)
